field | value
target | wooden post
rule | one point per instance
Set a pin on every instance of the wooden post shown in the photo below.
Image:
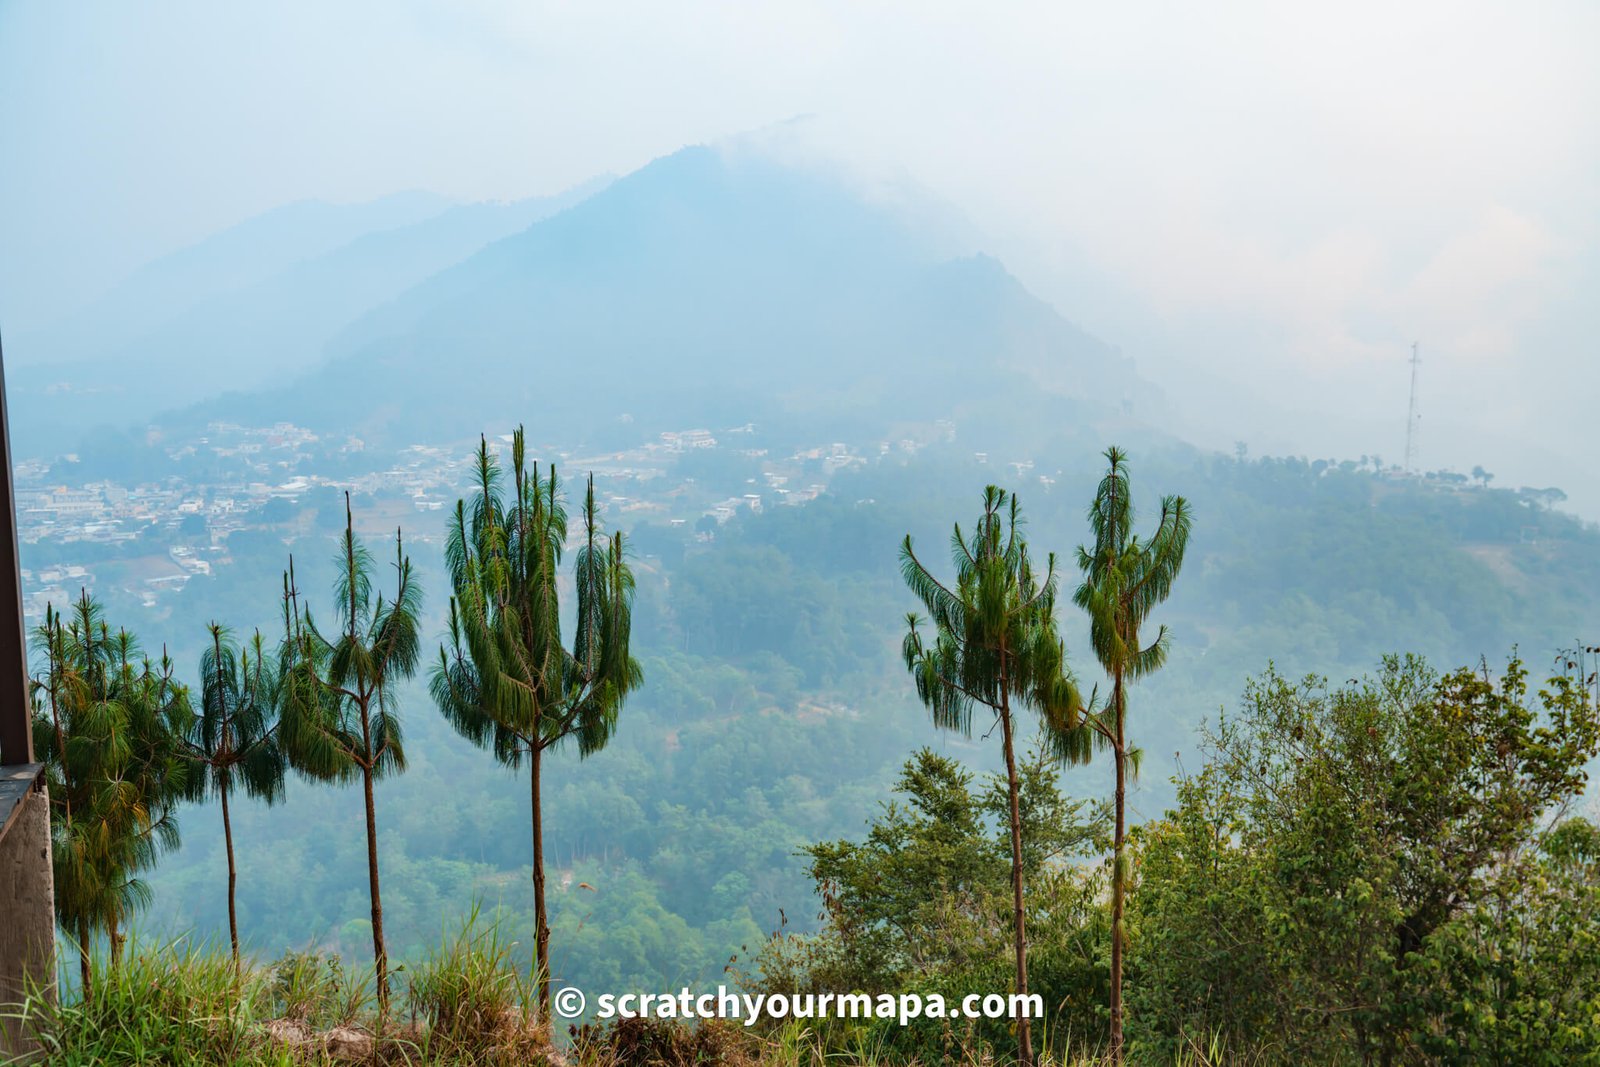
(16, 727)
(27, 883)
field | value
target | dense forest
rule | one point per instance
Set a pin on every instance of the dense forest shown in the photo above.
(1316, 869)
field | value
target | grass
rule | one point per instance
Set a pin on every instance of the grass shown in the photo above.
(177, 1004)
(477, 1007)
(314, 989)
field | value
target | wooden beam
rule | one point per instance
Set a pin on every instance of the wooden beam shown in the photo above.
(16, 782)
(27, 877)
(16, 725)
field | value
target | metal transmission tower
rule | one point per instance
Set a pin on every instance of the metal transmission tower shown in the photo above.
(1412, 414)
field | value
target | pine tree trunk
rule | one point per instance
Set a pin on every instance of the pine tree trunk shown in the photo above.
(1024, 1023)
(541, 928)
(1118, 874)
(83, 956)
(116, 940)
(380, 956)
(233, 878)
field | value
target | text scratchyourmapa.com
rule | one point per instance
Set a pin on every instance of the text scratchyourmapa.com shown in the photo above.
(750, 1008)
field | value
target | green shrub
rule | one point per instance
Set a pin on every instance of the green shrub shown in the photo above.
(476, 1004)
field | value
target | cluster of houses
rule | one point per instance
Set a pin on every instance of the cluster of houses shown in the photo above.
(152, 537)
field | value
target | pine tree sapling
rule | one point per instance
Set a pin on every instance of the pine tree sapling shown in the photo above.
(994, 643)
(505, 680)
(338, 705)
(1123, 580)
(109, 725)
(234, 738)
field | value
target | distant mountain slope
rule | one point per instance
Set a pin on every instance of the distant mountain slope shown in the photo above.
(252, 305)
(706, 286)
(228, 261)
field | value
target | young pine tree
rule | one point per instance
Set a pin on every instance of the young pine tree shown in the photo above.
(338, 717)
(109, 725)
(233, 740)
(1123, 580)
(994, 644)
(506, 679)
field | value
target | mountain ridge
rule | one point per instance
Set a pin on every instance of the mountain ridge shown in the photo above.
(773, 281)
(246, 306)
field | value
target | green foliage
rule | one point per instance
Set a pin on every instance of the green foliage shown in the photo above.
(757, 605)
(1515, 978)
(473, 999)
(338, 696)
(234, 738)
(1123, 581)
(1200, 946)
(506, 679)
(923, 903)
(109, 725)
(774, 717)
(1343, 841)
(316, 990)
(176, 1005)
(995, 639)
(995, 642)
(921, 894)
(338, 692)
(182, 1004)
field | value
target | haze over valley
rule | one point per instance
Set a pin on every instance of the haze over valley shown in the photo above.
(783, 298)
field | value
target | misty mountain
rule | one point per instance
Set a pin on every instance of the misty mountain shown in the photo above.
(253, 304)
(707, 286)
(228, 261)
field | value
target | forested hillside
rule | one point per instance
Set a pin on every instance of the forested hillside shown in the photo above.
(776, 712)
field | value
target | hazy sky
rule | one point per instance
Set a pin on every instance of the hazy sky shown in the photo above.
(1263, 203)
